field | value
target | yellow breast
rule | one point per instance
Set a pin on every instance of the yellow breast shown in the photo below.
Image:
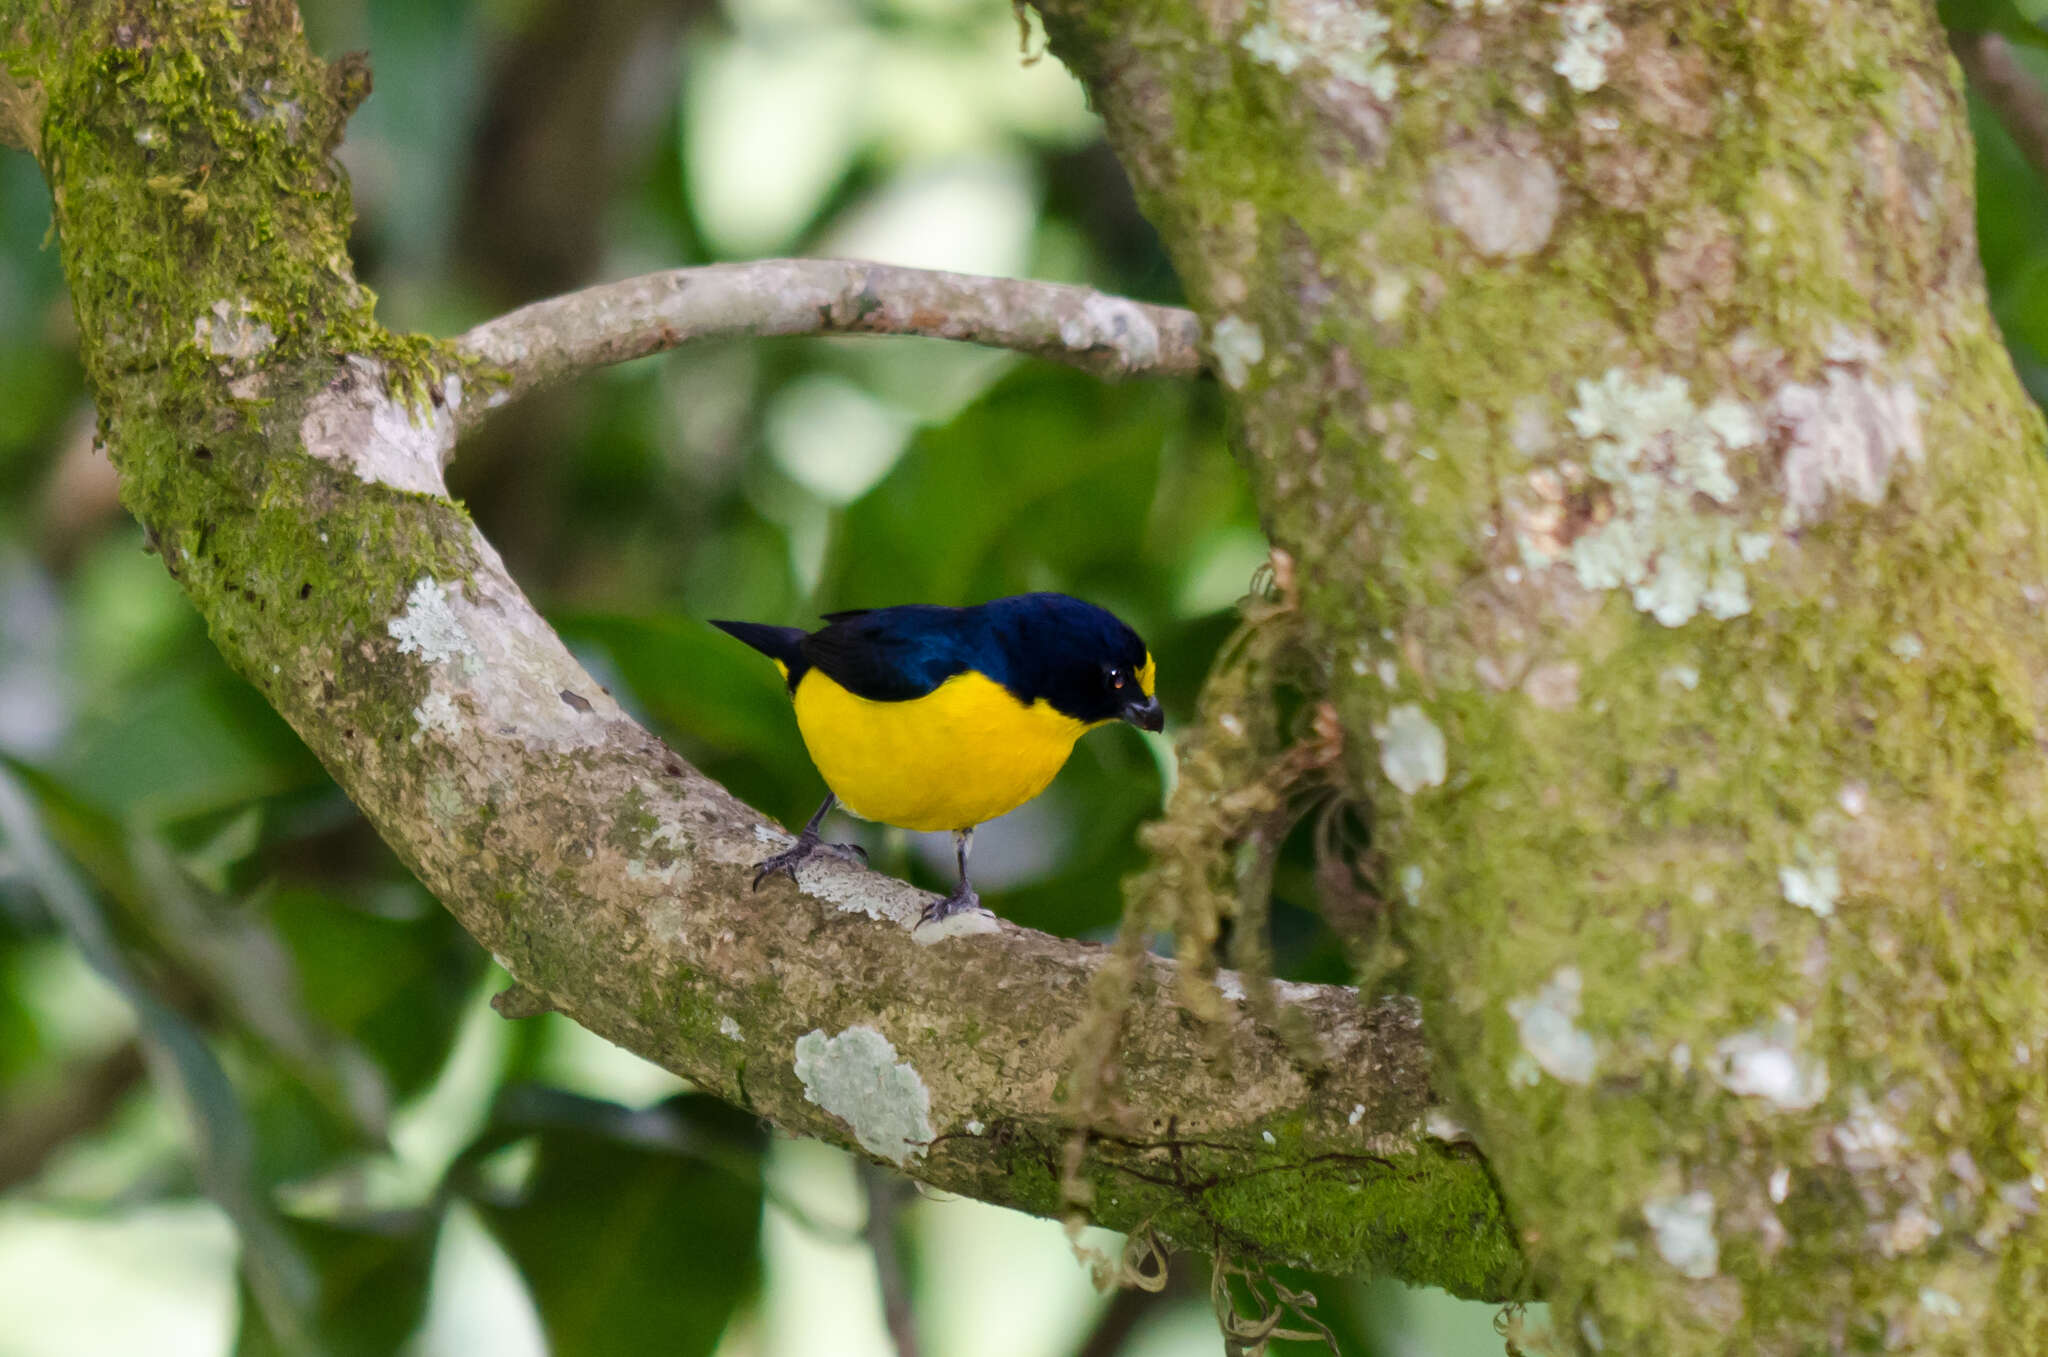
(963, 753)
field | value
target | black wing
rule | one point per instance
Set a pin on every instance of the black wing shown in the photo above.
(892, 654)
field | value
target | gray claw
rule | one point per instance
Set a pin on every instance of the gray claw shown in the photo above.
(807, 846)
(963, 898)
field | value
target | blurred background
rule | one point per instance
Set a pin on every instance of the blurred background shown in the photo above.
(252, 1096)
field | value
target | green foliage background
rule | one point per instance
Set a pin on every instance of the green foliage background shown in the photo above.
(251, 1098)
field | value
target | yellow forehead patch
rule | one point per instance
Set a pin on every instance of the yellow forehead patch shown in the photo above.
(1146, 675)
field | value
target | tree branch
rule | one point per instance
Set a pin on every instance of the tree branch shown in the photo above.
(2010, 89)
(282, 451)
(613, 322)
(30, 1135)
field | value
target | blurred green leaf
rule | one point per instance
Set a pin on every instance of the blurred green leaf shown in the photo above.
(182, 1065)
(2019, 20)
(638, 1231)
(372, 1289)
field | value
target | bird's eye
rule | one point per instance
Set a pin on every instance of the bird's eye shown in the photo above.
(1116, 678)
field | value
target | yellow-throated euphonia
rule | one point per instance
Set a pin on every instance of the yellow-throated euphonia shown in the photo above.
(934, 718)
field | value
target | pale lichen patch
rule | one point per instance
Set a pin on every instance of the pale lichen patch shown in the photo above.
(231, 330)
(730, 1029)
(1586, 38)
(1683, 1228)
(1106, 322)
(1813, 880)
(482, 644)
(1549, 1024)
(437, 715)
(1239, 347)
(1501, 195)
(429, 628)
(1347, 40)
(1769, 1064)
(1659, 455)
(856, 1077)
(1847, 433)
(356, 422)
(1413, 753)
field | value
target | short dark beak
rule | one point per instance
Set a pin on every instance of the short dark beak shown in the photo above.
(1144, 713)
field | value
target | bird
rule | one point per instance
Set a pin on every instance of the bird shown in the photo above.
(938, 718)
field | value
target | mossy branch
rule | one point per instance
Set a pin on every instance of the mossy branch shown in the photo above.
(282, 452)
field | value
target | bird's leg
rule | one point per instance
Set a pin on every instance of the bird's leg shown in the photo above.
(963, 896)
(808, 843)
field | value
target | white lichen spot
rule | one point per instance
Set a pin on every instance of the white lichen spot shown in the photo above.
(436, 714)
(429, 627)
(1908, 1232)
(356, 422)
(1854, 798)
(1588, 38)
(1683, 1226)
(729, 1029)
(1501, 196)
(1347, 40)
(1768, 1064)
(1659, 455)
(1267, 1136)
(1411, 883)
(1907, 647)
(975, 1128)
(1357, 1114)
(1230, 985)
(1412, 750)
(1864, 1139)
(1551, 1035)
(856, 1077)
(1441, 1125)
(1846, 434)
(1780, 1184)
(1106, 322)
(1389, 674)
(1553, 687)
(1940, 1304)
(1813, 881)
(1238, 347)
(230, 330)
(1524, 1072)
(1681, 1058)
(1589, 1329)
(1388, 298)
(1684, 675)
(966, 924)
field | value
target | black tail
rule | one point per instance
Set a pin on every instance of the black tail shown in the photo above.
(777, 643)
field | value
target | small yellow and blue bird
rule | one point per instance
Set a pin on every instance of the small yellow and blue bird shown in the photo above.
(932, 718)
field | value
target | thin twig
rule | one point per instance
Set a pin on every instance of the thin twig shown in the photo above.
(885, 1191)
(2010, 89)
(32, 1134)
(1119, 1319)
(1109, 336)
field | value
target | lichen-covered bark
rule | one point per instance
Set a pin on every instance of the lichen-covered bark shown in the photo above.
(283, 453)
(1671, 525)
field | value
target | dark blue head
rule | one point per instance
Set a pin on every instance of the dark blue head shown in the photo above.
(1074, 655)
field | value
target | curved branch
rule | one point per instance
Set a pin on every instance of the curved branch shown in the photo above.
(2010, 89)
(1109, 336)
(284, 452)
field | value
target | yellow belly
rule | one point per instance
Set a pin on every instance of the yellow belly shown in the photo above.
(963, 753)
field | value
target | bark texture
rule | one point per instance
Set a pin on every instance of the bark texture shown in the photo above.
(1670, 524)
(283, 453)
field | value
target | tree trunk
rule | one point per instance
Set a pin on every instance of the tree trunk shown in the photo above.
(1669, 524)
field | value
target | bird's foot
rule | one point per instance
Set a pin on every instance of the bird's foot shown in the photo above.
(808, 845)
(962, 899)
